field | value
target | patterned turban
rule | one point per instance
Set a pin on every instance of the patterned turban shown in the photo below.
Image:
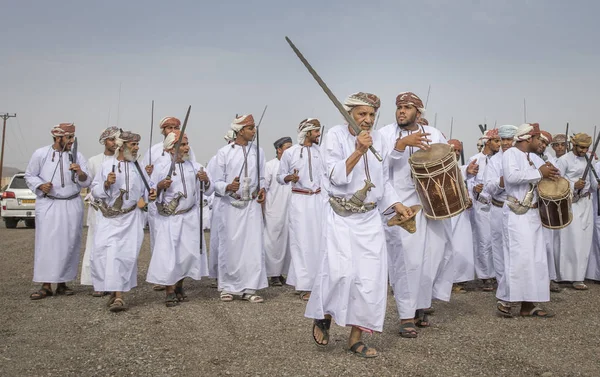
(409, 98)
(63, 129)
(362, 99)
(423, 121)
(229, 136)
(306, 125)
(545, 135)
(559, 139)
(526, 131)
(581, 139)
(279, 143)
(507, 131)
(490, 135)
(109, 133)
(128, 136)
(456, 144)
(169, 121)
(242, 121)
(171, 139)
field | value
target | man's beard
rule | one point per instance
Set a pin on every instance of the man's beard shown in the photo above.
(185, 157)
(129, 155)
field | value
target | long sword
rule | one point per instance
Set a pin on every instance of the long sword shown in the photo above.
(178, 144)
(589, 162)
(151, 128)
(74, 159)
(351, 122)
(252, 142)
(567, 136)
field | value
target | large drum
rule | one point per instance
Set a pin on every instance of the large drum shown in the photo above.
(554, 203)
(439, 182)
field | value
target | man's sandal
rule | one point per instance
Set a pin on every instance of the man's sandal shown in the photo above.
(422, 319)
(363, 351)
(159, 288)
(580, 286)
(226, 297)
(180, 293)
(64, 290)
(504, 310)
(538, 313)
(171, 300)
(117, 305)
(305, 296)
(42, 293)
(323, 325)
(252, 298)
(408, 330)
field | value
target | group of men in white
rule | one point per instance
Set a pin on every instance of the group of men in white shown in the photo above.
(314, 217)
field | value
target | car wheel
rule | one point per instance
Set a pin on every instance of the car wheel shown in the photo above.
(11, 223)
(30, 223)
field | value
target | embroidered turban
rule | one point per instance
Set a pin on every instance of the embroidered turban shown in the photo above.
(507, 131)
(108, 133)
(171, 139)
(242, 121)
(559, 139)
(581, 139)
(128, 136)
(279, 143)
(490, 135)
(545, 135)
(229, 136)
(63, 129)
(526, 131)
(456, 144)
(306, 125)
(362, 99)
(169, 121)
(423, 121)
(409, 98)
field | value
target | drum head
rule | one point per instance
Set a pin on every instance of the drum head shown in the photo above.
(548, 188)
(437, 152)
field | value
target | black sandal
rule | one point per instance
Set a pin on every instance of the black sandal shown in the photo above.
(408, 330)
(62, 289)
(171, 300)
(180, 293)
(422, 319)
(363, 352)
(41, 293)
(323, 325)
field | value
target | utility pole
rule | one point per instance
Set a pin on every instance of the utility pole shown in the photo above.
(4, 116)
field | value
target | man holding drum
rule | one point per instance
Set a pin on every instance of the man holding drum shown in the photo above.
(525, 266)
(576, 240)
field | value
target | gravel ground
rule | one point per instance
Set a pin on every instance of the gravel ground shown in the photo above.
(77, 336)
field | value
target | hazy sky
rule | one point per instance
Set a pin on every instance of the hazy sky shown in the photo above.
(63, 61)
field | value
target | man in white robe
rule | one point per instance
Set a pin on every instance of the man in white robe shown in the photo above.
(117, 188)
(462, 233)
(420, 264)
(179, 250)
(109, 141)
(276, 212)
(303, 166)
(576, 239)
(480, 214)
(157, 156)
(525, 278)
(213, 257)
(57, 181)
(351, 282)
(239, 179)
(593, 268)
(497, 195)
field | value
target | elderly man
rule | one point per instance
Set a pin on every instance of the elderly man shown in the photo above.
(213, 257)
(240, 182)
(576, 239)
(276, 213)
(57, 181)
(480, 215)
(420, 264)
(117, 188)
(303, 166)
(462, 233)
(525, 278)
(177, 252)
(351, 282)
(494, 188)
(559, 145)
(108, 139)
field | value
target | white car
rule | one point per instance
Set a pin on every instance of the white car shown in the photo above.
(18, 203)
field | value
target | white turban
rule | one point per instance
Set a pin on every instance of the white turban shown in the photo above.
(523, 132)
(241, 121)
(306, 125)
(229, 136)
(507, 131)
(171, 139)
